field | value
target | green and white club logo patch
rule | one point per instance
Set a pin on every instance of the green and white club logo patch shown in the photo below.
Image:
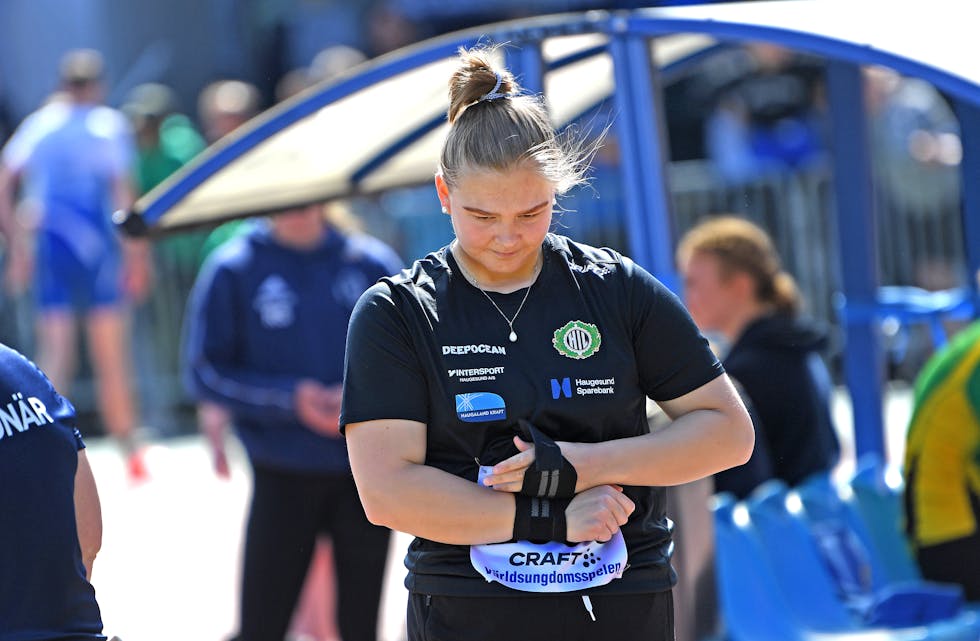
(577, 339)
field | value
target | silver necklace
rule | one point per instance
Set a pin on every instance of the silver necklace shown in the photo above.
(510, 321)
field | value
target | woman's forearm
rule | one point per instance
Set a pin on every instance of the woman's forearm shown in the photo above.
(400, 492)
(433, 504)
(694, 446)
(711, 432)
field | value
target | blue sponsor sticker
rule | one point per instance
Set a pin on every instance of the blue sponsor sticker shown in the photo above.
(478, 407)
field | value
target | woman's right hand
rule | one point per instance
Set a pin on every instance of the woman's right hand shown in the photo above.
(597, 513)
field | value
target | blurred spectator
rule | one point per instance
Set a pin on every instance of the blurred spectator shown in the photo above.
(333, 61)
(292, 83)
(768, 117)
(734, 286)
(916, 152)
(166, 139)
(327, 64)
(291, 283)
(388, 28)
(74, 158)
(915, 139)
(942, 465)
(311, 25)
(224, 105)
(52, 528)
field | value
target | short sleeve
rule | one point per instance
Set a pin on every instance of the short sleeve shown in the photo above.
(58, 409)
(383, 377)
(113, 127)
(672, 356)
(18, 150)
(62, 411)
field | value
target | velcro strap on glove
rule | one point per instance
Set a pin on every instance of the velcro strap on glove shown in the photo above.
(551, 476)
(539, 520)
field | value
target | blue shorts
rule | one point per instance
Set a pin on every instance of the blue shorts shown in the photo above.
(65, 280)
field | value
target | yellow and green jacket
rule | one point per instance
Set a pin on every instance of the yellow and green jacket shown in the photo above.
(942, 456)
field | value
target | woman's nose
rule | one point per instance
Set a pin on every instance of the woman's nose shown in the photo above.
(506, 233)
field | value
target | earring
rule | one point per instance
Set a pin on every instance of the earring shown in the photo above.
(445, 210)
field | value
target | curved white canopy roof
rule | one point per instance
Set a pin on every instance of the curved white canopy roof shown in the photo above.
(381, 126)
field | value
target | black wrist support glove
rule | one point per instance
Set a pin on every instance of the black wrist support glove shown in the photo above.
(551, 476)
(540, 520)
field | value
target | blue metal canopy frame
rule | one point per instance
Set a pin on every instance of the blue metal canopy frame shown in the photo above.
(643, 141)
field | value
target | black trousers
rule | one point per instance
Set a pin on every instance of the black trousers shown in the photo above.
(956, 561)
(624, 617)
(288, 511)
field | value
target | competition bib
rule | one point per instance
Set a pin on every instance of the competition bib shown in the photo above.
(552, 566)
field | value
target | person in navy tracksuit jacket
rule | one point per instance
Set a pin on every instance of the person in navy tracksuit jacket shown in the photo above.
(267, 326)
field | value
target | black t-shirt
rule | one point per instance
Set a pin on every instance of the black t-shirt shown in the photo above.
(597, 335)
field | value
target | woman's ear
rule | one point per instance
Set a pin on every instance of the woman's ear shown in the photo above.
(742, 283)
(442, 189)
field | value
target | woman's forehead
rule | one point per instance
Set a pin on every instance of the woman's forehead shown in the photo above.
(503, 192)
(525, 177)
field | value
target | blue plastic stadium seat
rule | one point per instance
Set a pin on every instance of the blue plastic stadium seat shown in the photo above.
(751, 602)
(810, 590)
(823, 504)
(754, 606)
(860, 571)
(879, 504)
(795, 559)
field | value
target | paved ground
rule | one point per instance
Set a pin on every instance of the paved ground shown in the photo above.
(169, 568)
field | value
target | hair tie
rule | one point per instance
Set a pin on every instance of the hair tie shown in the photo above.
(493, 93)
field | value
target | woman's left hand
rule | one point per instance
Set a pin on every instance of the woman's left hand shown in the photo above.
(508, 475)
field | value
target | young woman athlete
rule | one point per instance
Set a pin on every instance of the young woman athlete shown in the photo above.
(495, 399)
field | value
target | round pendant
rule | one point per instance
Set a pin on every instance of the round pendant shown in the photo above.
(513, 336)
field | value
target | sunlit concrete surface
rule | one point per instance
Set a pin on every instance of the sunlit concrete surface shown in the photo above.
(170, 561)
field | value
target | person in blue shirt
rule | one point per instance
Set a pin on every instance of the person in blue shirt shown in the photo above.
(52, 521)
(267, 327)
(70, 166)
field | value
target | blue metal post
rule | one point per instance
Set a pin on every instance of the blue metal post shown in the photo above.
(969, 117)
(527, 65)
(642, 139)
(863, 363)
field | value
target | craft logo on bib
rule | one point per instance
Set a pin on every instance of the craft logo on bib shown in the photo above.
(478, 407)
(553, 566)
(577, 339)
